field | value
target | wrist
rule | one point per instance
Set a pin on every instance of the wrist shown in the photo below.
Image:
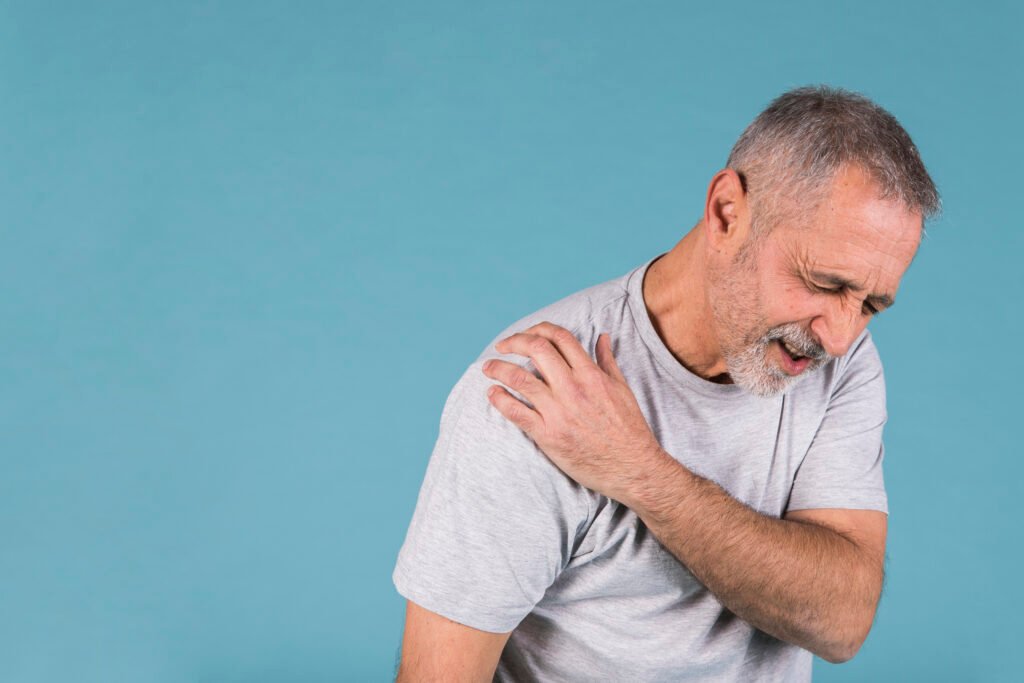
(659, 488)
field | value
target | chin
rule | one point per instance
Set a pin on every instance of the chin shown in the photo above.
(764, 390)
(766, 380)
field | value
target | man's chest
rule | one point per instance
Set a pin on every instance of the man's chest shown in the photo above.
(752, 449)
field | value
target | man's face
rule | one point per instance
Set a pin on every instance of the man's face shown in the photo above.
(811, 287)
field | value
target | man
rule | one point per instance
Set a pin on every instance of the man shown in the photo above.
(677, 474)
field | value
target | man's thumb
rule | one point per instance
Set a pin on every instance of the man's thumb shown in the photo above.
(605, 358)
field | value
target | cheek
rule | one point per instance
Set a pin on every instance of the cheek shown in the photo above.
(792, 303)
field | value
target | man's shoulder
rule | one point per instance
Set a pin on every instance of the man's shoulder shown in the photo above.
(583, 312)
(487, 453)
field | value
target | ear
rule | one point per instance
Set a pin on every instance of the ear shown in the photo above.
(726, 215)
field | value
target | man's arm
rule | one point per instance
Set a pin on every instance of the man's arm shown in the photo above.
(813, 579)
(435, 648)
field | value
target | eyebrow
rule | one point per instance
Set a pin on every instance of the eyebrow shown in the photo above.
(880, 301)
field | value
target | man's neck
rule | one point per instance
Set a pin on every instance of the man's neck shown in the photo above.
(675, 296)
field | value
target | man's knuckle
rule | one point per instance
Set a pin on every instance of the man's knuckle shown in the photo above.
(562, 439)
(519, 378)
(519, 414)
(539, 344)
(563, 336)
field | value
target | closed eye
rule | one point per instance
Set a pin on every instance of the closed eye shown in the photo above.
(868, 308)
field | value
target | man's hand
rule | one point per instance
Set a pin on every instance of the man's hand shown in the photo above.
(583, 416)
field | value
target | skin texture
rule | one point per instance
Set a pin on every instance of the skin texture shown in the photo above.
(812, 578)
(852, 234)
(438, 649)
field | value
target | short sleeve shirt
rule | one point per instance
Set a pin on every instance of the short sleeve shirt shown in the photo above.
(503, 541)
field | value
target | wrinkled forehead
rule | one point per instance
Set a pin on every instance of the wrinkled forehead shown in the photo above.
(857, 235)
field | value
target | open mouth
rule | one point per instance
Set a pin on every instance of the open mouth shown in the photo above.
(793, 353)
(792, 361)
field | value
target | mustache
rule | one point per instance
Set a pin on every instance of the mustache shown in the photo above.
(799, 339)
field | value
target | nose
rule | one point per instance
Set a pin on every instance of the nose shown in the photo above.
(838, 327)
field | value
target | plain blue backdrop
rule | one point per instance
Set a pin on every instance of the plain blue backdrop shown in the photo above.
(247, 249)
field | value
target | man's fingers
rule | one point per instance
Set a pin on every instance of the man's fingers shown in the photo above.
(546, 358)
(518, 378)
(566, 343)
(515, 410)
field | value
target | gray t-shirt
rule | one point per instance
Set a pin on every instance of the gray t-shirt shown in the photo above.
(502, 540)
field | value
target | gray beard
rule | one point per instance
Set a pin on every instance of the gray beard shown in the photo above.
(750, 368)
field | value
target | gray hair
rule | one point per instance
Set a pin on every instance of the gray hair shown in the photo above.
(794, 148)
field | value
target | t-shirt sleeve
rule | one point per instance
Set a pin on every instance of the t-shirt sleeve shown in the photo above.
(843, 466)
(495, 522)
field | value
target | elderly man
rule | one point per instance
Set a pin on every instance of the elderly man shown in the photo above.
(677, 474)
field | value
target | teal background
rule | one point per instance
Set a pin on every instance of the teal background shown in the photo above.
(247, 248)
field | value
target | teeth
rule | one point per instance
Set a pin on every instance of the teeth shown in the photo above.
(792, 351)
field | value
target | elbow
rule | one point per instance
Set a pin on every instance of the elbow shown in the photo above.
(845, 646)
(846, 641)
(839, 655)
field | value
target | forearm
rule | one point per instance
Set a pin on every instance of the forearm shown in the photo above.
(799, 582)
